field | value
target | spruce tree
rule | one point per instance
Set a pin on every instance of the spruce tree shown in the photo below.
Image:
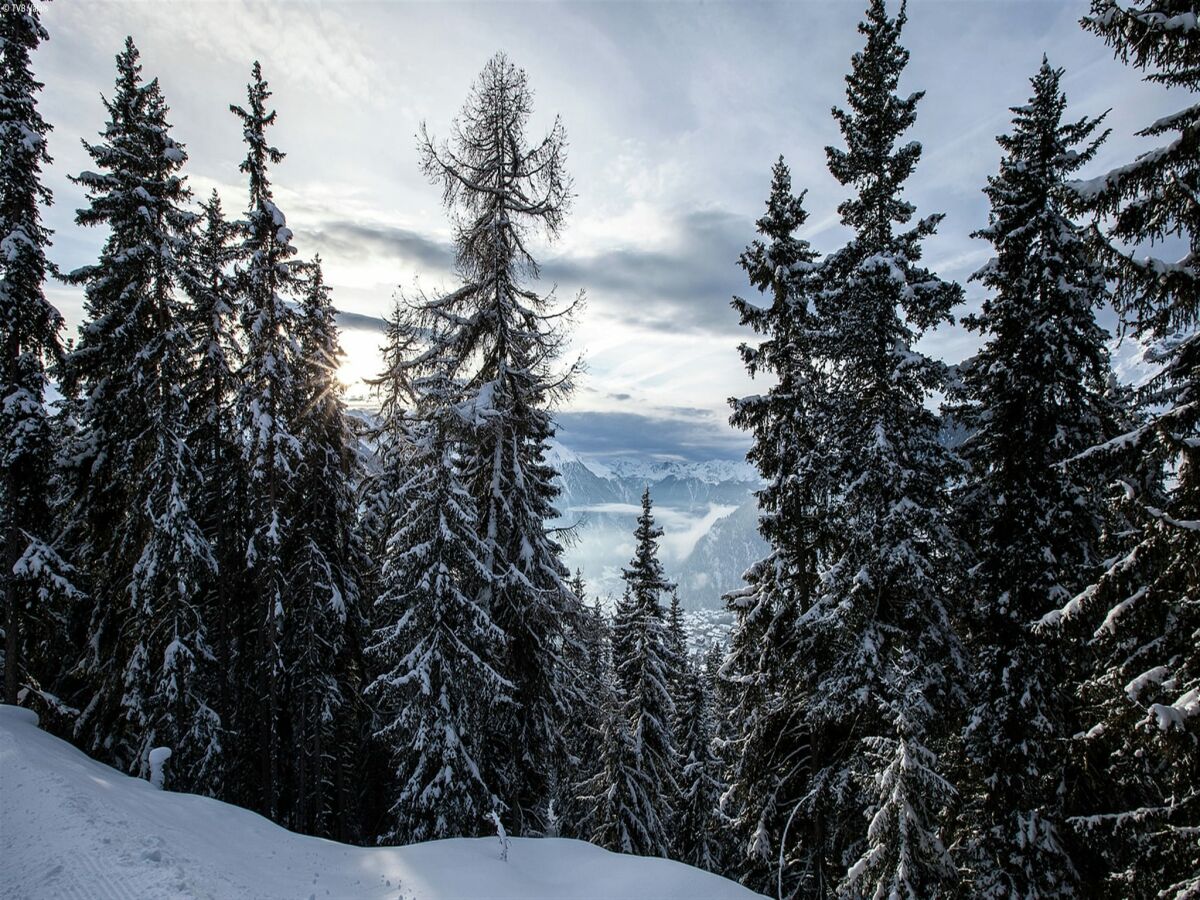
(437, 649)
(677, 650)
(213, 436)
(1034, 397)
(504, 340)
(36, 578)
(642, 660)
(386, 437)
(387, 454)
(882, 660)
(587, 660)
(1139, 805)
(133, 481)
(768, 747)
(268, 280)
(624, 816)
(698, 825)
(323, 640)
(171, 695)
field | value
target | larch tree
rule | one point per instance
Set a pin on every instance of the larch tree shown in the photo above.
(504, 341)
(1140, 809)
(36, 579)
(1034, 397)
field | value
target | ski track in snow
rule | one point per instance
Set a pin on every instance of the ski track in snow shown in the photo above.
(71, 828)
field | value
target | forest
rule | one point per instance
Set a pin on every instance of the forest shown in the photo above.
(968, 666)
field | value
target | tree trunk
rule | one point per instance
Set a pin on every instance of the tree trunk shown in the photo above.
(12, 624)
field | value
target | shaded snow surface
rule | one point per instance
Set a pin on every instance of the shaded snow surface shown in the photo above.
(71, 827)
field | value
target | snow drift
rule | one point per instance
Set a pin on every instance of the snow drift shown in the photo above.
(71, 827)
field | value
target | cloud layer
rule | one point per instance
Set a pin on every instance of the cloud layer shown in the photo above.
(675, 113)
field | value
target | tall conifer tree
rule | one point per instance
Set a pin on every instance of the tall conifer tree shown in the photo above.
(699, 836)
(882, 657)
(623, 813)
(213, 435)
(1139, 808)
(504, 340)
(133, 481)
(436, 647)
(268, 281)
(323, 645)
(1034, 397)
(768, 750)
(642, 660)
(29, 342)
(588, 660)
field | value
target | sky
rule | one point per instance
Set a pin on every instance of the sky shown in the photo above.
(674, 112)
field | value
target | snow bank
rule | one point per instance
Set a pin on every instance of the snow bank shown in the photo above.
(71, 827)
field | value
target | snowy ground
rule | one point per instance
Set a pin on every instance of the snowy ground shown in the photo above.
(73, 828)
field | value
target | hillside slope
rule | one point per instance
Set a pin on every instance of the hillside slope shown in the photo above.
(73, 828)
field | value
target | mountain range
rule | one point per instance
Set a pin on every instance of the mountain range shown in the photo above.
(707, 511)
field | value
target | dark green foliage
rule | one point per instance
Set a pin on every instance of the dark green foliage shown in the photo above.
(267, 405)
(1034, 397)
(767, 749)
(326, 628)
(699, 827)
(37, 580)
(436, 649)
(130, 474)
(1138, 808)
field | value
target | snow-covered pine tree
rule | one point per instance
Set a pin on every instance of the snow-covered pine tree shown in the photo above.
(172, 676)
(904, 855)
(587, 658)
(1034, 397)
(1139, 809)
(133, 481)
(768, 747)
(387, 445)
(642, 661)
(436, 647)
(387, 450)
(323, 640)
(212, 429)
(677, 650)
(699, 827)
(505, 340)
(34, 574)
(268, 279)
(880, 631)
(622, 810)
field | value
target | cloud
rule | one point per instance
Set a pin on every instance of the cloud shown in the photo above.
(685, 287)
(673, 124)
(359, 321)
(698, 437)
(359, 241)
